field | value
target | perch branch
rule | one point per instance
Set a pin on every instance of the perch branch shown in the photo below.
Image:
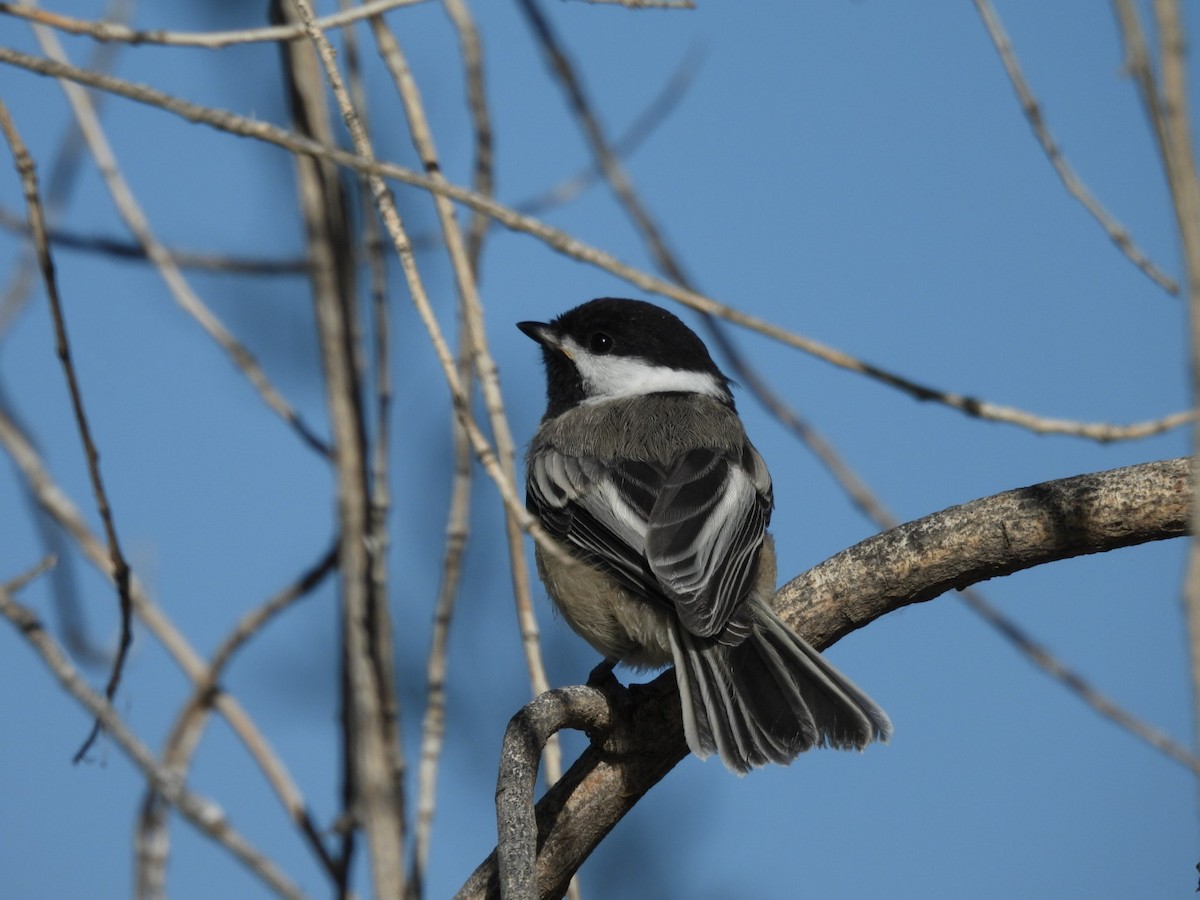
(960, 546)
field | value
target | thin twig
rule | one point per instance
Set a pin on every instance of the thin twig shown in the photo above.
(204, 814)
(64, 171)
(62, 346)
(649, 119)
(482, 172)
(1140, 68)
(655, 112)
(606, 160)
(19, 582)
(380, 502)
(112, 31)
(184, 736)
(433, 726)
(55, 503)
(185, 259)
(483, 363)
(1179, 161)
(568, 245)
(646, 4)
(1071, 181)
(1167, 112)
(135, 219)
(1048, 663)
(64, 585)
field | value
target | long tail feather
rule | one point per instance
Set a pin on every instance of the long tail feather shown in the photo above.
(769, 698)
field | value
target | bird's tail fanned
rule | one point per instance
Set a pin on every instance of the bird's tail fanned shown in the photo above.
(769, 698)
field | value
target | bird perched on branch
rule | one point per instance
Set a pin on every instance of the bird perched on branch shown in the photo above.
(641, 470)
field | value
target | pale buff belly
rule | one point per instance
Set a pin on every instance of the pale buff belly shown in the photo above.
(618, 624)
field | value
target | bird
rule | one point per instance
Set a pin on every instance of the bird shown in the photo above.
(642, 475)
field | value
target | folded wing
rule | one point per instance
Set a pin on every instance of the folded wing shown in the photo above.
(686, 534)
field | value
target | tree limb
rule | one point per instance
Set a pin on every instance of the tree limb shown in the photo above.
(923, 559)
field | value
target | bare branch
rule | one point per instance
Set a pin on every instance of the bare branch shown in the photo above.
(646, 4)
(59, 508)
(189, 725)
(960, 546)
(1045, 660)
(373, 788)
(60, 182)
(643, 125)
(1166, 107)
(1071, 181)
(120, 568)
(376, 253)
(1179, 161)
(112, 31)
(655, 112)
(135, 219)
(204, 814)
(19, 582)
(564, 243)
(482, 173)
(580, 707)
(1141, 69)
(184, 259)
(483, 364)
(433, 727)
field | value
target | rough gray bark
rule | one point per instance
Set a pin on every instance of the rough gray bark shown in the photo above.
(915, 562)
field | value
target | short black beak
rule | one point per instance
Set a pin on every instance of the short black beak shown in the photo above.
(540, 332)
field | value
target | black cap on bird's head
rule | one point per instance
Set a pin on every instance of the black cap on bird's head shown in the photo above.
(610, 348)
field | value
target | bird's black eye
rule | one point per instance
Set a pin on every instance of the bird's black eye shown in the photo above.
(600, 343)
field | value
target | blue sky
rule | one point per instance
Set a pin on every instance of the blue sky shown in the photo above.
(858, 172)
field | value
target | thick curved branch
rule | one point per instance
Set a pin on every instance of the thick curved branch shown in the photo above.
(915, 562)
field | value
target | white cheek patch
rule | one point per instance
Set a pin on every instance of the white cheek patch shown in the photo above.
(609, 377)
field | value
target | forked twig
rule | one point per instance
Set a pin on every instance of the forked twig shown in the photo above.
(201, 812)
(51, 499)
(184, 737)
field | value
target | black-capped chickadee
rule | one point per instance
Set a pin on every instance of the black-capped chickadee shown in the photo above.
(642, 471)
